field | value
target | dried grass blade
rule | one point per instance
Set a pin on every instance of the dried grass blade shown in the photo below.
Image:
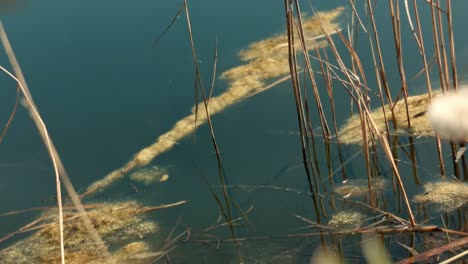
(57, 163)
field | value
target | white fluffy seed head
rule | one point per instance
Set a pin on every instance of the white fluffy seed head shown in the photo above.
(448, 114)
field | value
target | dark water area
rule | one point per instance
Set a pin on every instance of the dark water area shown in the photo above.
(105, 92)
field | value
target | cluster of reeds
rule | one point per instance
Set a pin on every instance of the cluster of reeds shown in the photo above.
(309, 47)
(402, 114)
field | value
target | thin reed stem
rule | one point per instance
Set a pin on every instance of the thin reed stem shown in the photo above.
(208, 116)
(59, 169)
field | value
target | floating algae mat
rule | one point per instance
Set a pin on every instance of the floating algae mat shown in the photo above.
(264, 60)
(447, 195)
(346, 220)
(150, 175)
(359, 187)
(118, 224)
(351, 133)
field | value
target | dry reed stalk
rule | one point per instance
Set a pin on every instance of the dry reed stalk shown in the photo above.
(452, 44)
(445, 71)
(436, 251)
(298, 97)
(323, 120)
(436, 39)
(215, 64)
(227, 199)
(328, 82)
(455, 82)
(443, 51)
(428, 81)
(308, 126)
(364, 230)
(45, 136)
(389, 155)
(395, 14)
(356, 84)
(439, 42)
(59, 169)
(381, 68)
(452, 259)
(12, 115)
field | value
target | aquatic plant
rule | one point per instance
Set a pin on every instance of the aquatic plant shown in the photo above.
(448, 114)
(150, 175)
(447, 195)
(346, 220)
(351, 132)
(359, 187)
(116, 223)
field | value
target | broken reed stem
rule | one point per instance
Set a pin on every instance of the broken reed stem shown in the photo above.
(59, 169)
(436, 251)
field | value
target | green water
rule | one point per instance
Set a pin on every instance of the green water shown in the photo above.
(105, 92)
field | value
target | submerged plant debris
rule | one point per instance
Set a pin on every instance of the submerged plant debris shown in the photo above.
(359, 187)
(264, 60)
(270, 251)
(116, 223)
(150, 175)
(346, 220)
(447, 195)
(351, 133)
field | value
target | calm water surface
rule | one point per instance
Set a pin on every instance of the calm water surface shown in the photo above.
(105, 92)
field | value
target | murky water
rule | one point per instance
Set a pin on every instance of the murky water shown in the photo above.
(106, 92)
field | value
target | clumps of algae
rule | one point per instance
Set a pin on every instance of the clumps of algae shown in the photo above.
(359, 187)
(116, 223)
(447, 195)
(150, 175)
(346, 220)
(351, 133)
(264, 60)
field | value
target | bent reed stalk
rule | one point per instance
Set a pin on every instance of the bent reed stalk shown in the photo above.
(59, 169)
